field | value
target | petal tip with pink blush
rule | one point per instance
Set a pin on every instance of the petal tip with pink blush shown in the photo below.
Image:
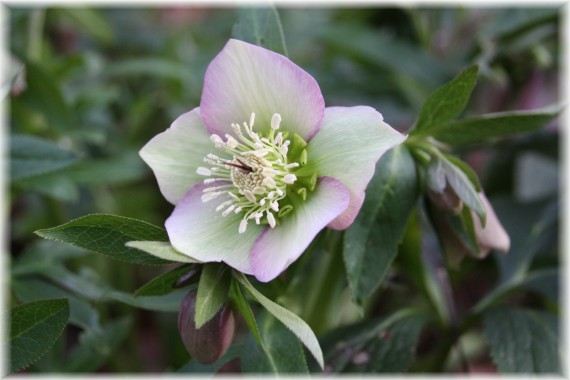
(245, 78)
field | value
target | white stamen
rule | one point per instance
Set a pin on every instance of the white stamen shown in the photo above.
(275, 121)
(283, 149)
(231, 142)
(292, 165)
(203, 171)
(268, 172)
(274, 206)
(258, 190)
(280, 192)
(249, 195)
(279, 139)
(289, 179)
(242, 226)
(233, 196)
(260, 153)
(228, 210)
(257, 217)
(217, 140)
(237, 210)
(271, 219)
(251, 119)
(269, 182)
(262, 202)
(210, 180)
(224, 204)
(209, 196)
(271, 195)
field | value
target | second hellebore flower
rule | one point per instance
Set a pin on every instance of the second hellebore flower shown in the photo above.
(262, 166)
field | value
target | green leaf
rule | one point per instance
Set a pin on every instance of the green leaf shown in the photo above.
(56, 185)
(371, 242)
(108, 234)
(446, 103)
(122, 168)
(43, 95)
(545, 281)
(262, 27)
(292, 321)
(243, 306)
(93, 351)
(162, 284)
(463, 186)
(148, 66)
(382, 345)
(465, 168)
(420, 266)
(31, 156)
(521, 341)
(90, 21)
(161, 249)
(34, 328)
(495, 125)
(284, 354)
(213, 291)
(369, 46)
(527, 225)
(167, 303)
(81, 312)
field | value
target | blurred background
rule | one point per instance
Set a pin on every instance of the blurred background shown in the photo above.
(95, 84)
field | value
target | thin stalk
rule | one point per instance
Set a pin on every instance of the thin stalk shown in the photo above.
(35, 34)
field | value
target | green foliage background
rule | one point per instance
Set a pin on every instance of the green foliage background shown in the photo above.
(90, 86)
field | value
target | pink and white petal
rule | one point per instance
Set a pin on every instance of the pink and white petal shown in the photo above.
(244, 78)
(175, 154)
(278, 247)
(195, 229)
(350, 142)
(493, 235)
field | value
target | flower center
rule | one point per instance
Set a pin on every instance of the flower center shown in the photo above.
(253, 173)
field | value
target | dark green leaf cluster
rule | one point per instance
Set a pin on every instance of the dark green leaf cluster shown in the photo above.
(404, 289)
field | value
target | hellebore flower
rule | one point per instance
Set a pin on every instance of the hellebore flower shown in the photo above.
(262, 166)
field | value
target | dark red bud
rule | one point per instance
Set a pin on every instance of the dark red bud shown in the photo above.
(211, 341)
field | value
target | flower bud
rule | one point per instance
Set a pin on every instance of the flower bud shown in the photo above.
(455, 246)
(210, 342)
(493, 235)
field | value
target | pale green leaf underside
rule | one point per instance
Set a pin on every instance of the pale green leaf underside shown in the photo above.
(281, 354)
(213, 291)
(292, 321)
(161, 249)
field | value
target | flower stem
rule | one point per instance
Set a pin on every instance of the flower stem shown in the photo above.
(35, 34)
